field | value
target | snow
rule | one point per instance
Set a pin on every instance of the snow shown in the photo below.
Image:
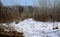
(32, 28)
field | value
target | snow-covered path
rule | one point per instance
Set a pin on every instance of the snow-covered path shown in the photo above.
(32, 28)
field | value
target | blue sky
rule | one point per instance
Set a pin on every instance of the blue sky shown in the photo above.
(23, 2)
(20, 2)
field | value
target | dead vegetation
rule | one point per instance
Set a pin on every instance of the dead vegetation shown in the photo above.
(14, 13)
(10, 34)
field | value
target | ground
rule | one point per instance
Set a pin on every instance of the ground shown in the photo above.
(32, 28)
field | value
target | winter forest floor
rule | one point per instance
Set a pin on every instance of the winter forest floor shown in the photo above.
(32, 28)
(29, 27)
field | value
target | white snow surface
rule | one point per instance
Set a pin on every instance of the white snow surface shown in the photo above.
(32, 28)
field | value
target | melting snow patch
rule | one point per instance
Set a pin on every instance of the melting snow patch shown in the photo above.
(32, 28)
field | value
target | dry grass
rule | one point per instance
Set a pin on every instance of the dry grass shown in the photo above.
(10, 34)
(41, 14)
